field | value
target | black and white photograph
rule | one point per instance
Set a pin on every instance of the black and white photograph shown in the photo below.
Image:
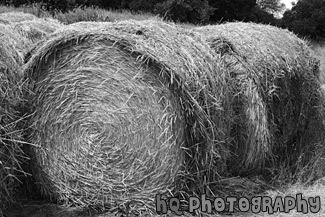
(134, 108)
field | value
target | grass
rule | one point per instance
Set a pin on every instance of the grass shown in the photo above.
(307, 191)
(79, 14)
(34, 9)
(96, 14)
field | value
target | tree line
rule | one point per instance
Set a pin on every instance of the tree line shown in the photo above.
(306, 18)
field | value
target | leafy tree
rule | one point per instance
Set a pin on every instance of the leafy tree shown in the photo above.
(141, 5)
(62, 5)
(271, 6)
(306, 18)
(193, 11)
(112, 4)
(14, 2)
(258, 15)
(230, 10)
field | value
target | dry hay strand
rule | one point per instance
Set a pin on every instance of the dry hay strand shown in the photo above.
(37, 29)
(86, 25)
(11, 154)
(15, 16)
(116, 107)
(14, 47)
(15, 41)
(278, 96)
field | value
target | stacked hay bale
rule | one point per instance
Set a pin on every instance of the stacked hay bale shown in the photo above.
(278, 101)
(37, 29)
(29, 26)
(116, 107)
(11, 154)
(16, 41)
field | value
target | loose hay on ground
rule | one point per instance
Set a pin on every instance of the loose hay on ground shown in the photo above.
(11, 153)
(116, 108)
(278, 96)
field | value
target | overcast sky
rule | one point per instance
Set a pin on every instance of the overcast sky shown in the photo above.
(288, 3)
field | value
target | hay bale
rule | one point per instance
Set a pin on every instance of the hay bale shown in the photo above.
(98, 108)
(16, 16)
(37, 29)
(11, 153)
(277, 94)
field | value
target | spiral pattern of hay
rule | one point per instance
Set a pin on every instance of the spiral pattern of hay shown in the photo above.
(279, 105)
(112, 132)
(11, 153)
(118, 111)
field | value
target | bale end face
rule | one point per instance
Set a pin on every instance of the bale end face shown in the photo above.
(110, 132)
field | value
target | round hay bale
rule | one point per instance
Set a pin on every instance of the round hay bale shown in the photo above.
(278, 102)
(37, 29)
(119, 110)
(15, 16)
(11, 153)
(109, 130)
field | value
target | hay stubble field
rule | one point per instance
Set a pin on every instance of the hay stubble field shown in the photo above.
(99, 117)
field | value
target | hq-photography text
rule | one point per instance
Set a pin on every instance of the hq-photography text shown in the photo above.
(231, 204)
